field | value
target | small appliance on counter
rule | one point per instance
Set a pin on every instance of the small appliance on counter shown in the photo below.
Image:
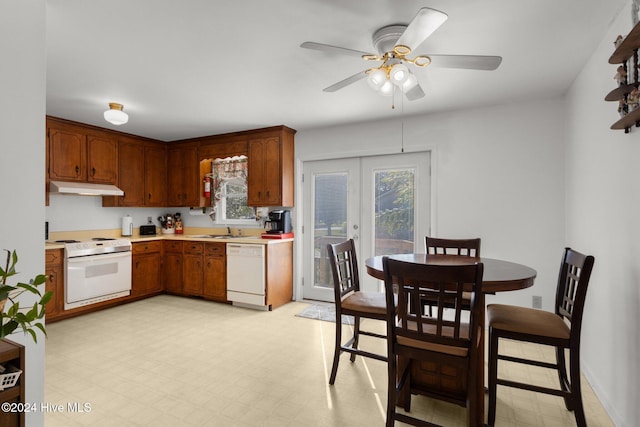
(127, 226)
(149, 229)
(278, 225)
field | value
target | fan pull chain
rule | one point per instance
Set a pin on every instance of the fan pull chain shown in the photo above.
(402, 124)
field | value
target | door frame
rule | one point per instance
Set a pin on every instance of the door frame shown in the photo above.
(298, 211)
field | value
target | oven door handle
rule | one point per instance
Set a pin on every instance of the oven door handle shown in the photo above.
(98, 257)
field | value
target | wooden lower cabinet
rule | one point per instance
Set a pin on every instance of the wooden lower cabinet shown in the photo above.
(215, 271)
(13, 354)
(173, 267)
(54, 270)
(193, 268)
(146, 272)
(279, 280)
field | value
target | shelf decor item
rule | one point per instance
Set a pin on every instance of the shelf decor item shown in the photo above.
(13, 316)
(9, 377)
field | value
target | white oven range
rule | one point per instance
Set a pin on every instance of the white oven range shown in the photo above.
(96, 270)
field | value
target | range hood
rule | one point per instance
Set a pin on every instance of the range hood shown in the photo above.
(84, 188)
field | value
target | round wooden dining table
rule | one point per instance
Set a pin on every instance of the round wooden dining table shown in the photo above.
(499, 276)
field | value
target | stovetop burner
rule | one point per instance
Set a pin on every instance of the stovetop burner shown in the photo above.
(102, 239)
(67, 241)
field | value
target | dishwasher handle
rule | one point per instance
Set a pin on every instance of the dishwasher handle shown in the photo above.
(245, 250)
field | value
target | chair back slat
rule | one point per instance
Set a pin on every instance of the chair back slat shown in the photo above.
(573, 280)
(344, 267)
(461, 247)
(446, 282)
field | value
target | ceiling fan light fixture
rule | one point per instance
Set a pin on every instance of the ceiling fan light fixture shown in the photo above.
(409, 83)
(377, 79)
(115, 115)
(399, 73)
(387, 88)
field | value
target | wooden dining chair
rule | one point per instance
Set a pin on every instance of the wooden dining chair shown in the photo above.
(458, 247)
(462, 247)
(351, 301)
(436, 356)
(560, 329)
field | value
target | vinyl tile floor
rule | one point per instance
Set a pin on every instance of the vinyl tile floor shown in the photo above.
(173, 361)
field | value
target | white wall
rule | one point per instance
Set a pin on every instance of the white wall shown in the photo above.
(603, 212)
(22, 124)
(497, 175)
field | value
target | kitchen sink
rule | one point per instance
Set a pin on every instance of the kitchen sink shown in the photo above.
(213, 236)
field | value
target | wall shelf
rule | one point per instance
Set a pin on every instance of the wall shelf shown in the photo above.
(628, 49)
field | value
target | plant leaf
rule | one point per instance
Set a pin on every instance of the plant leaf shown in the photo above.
(41, 327)
(46, 297)
(33, 334)
(39, 280)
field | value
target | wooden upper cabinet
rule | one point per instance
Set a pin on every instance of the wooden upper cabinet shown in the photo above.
(82, 154)
(183, 175)
(155, 174)
(141, 173)
(270, 175)
(130, 174)
(67, 152)
(102, 158)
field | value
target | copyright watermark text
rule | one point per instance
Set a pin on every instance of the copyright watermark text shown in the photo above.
(46, 407)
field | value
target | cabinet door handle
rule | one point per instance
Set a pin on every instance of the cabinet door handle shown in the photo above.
(77, 170)
(93, 171)
(149, 196)
(51, 277)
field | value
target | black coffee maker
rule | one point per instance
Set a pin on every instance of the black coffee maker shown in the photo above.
(279, 222)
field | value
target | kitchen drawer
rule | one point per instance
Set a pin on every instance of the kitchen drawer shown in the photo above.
(215, 249)
(173, 246)
(194, 248)
(146, 247)
(54, 257)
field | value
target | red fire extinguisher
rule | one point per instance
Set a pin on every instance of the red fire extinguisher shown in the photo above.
(207, 186)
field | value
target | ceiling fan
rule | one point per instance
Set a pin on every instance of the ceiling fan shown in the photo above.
(394, 44)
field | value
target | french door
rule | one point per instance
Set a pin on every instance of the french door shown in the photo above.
(382, 202)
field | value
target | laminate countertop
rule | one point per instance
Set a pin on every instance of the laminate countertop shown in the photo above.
(254, 240)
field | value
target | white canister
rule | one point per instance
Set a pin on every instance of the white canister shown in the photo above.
(127, 225)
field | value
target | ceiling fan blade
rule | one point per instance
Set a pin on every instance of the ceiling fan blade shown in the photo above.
(416, 92)
(333, 49)
(471, 62)
(346, 82)
(423, 25)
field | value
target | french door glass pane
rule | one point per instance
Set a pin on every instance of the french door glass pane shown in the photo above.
(330, 217)
(394, 211)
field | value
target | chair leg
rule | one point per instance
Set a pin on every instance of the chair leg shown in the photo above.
(337, 349)
(391, 391)
(576, 389)
(493, 376)
(562, 376)
(356, 336)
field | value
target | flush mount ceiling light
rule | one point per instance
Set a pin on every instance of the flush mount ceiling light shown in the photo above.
(115, 115)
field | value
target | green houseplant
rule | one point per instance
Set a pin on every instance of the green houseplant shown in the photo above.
(17, 317)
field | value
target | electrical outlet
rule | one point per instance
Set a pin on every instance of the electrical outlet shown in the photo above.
(536, 301)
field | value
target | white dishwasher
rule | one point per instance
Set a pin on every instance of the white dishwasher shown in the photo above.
(246, 275)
